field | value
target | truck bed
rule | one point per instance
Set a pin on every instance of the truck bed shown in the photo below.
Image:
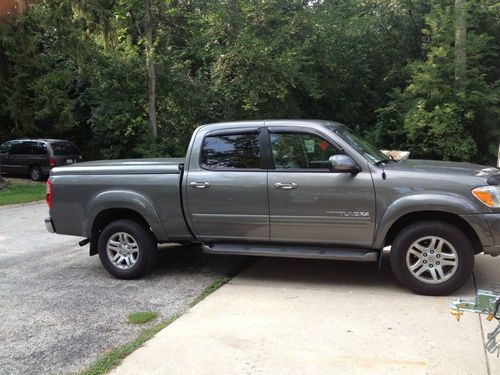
(83, 192)
(123, 166)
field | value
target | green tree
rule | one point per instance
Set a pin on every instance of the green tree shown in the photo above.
(449, 107)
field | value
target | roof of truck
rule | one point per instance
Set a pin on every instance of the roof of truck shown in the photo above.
(267, 122)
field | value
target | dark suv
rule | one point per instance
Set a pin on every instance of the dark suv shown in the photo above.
(36, 157)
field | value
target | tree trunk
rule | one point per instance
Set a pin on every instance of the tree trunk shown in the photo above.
(150, 61)
(460, 41)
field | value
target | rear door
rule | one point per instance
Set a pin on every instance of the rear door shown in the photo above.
(226, 187)
(310, 204)
(64, 152)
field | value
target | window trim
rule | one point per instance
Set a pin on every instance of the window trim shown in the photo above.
(300, 130)
(233, 131)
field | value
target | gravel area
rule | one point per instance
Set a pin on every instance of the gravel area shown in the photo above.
(60, 309)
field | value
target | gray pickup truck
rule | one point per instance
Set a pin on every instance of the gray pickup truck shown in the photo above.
(285, 188)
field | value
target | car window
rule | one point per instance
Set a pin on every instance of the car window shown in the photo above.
(39, 148)
(235, 151)
(64, 148)
(19, 148)
(301, 151)
(4, 148)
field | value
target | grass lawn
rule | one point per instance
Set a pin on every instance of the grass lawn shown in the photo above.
(115, 355)
(21, 193)
(142, 317)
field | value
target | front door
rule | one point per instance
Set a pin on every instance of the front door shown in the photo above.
(309, 203)
(4, 157)
(226, 187)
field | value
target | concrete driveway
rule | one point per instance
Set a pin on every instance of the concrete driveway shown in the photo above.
(288, 316)
(60, 310)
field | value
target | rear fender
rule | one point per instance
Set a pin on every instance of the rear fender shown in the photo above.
(124, 199)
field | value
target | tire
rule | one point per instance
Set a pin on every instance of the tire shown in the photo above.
(441, 256)
(139, 251)
(36, 173)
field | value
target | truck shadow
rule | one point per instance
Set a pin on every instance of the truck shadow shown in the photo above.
(363, 277)
(310, 272)
(190, 259)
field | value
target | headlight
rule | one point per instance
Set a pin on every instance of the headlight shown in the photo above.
(489, 195)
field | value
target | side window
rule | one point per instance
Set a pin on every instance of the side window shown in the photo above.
(17, 149)
(4, 148)
(39, 148)
(235, 151)
(29, 148)
(301, 151)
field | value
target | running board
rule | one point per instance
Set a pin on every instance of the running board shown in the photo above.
(307, 252)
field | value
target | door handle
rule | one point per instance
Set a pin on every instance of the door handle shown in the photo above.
(286, 185)
(199, 185)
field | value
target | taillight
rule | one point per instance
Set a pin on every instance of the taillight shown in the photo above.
(48, 197)
(52, 162)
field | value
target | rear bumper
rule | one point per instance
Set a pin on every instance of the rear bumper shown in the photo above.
(49, 225)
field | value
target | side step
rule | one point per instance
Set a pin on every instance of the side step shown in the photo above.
(287, 251)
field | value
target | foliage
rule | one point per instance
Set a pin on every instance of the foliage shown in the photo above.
(14, 193)
(141, 317)
(78, 70)
(441, 117)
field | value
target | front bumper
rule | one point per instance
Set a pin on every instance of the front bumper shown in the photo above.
(492, 250)
(493, 221)
(49, 225)
(487, 228)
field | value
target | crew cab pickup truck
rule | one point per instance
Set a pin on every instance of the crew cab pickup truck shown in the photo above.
(284, 188)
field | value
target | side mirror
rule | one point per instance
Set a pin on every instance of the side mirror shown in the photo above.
(342, 164)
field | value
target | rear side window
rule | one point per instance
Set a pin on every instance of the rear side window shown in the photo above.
(235, 151)
(38, 148)
(64, 148)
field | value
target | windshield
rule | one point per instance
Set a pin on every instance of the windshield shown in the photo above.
(370, 152)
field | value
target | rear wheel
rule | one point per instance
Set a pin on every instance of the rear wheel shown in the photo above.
(36, 173)
(127, 249)
(432, 258)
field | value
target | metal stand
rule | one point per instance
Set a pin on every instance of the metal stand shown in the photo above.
(486, 302)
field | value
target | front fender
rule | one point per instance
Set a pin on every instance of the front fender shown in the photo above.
(124, 199)
(419, 203)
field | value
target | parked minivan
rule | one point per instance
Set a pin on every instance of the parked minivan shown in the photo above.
(36, 157)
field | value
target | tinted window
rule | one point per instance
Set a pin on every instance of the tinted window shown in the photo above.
(231, 151)
(4, 148)
(39, 148)
(19, 148)
(301, 151)
(64, 148)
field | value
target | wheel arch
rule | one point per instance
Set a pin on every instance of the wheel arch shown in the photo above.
(109, 215)
(448, 217)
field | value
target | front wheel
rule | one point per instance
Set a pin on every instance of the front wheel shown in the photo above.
(432, 258)
(127, 249)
